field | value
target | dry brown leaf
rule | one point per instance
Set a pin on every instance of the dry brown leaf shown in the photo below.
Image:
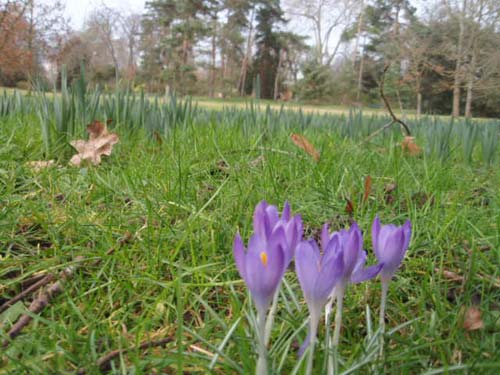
(349, 207)
(100, 143)
(38, 165)
(304, 144)
(472, 319)
(368, 188)
(410, 146)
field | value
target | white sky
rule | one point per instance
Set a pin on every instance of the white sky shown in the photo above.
(77, 10)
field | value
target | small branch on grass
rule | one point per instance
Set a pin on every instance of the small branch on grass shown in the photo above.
(104, 363)
(26, 292)
(386, 102)
(394, 118)
(41, 301)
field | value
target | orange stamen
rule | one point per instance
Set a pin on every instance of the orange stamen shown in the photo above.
(263, 258)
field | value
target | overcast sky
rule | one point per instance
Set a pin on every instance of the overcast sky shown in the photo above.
(77, 10)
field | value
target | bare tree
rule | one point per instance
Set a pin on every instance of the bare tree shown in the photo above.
(325, 18)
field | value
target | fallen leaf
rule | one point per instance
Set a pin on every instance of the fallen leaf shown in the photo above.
(368, 188)
(349, 207)
(301, 142)
(100, 143)
(472, 319)
(38, 165)
(408, 145)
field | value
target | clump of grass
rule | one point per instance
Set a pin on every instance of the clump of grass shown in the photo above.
(178, 203)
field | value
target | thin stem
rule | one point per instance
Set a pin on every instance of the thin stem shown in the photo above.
(340, 290)
(328, 307)
(261, 368)
(314, 320)
(385, 289)
(333, 349)
(270, 316)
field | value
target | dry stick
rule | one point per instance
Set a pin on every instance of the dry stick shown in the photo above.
(104, 363)
(386, 102)
(41, 302)
(394, 119)
(33, 288)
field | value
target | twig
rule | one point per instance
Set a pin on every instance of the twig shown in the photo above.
(33, 288)
(104, 363)
(41, 302)
(386, 102)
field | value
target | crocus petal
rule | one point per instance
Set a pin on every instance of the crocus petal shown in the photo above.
(393, 252)
(326, 280)
(307, 263)
(264, 278)
(239, 255)
(375, 236)
(366, 273)
(259, 219)
(352, 248)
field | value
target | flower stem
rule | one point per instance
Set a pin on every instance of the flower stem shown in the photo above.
(270, 316)
(261, 368)
(313, 324)
(383, 301)
(385, 289)
(339, 292)
(333, 349)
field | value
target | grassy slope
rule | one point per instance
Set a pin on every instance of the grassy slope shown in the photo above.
(175, 275)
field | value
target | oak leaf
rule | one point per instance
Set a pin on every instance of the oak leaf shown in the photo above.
(100, 143)
(304, 144)
(472, 319)
(408, 145)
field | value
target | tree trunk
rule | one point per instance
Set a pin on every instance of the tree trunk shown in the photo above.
(457, 79)
(213, 55)
(358, 33)
(246, 58)
(470, 86)
(277, 77)
(360, 75)
(419, 104)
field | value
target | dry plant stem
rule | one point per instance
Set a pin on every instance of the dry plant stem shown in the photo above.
(104, 363)
(33, 288)
(387, 104)
(41, 302)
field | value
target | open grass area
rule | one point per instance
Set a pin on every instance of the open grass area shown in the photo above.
(155, 223)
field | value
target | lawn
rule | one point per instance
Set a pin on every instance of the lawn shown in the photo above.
(148, 235)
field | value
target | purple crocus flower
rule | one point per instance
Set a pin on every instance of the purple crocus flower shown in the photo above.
(266, 219)
(317, 276)
(261, 265)
(390, 243)
(350, 244)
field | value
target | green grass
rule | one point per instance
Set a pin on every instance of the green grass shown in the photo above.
(178, 204)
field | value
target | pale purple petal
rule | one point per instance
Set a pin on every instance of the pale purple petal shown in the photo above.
(366, 273)
(307, 263)
(375, 236)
